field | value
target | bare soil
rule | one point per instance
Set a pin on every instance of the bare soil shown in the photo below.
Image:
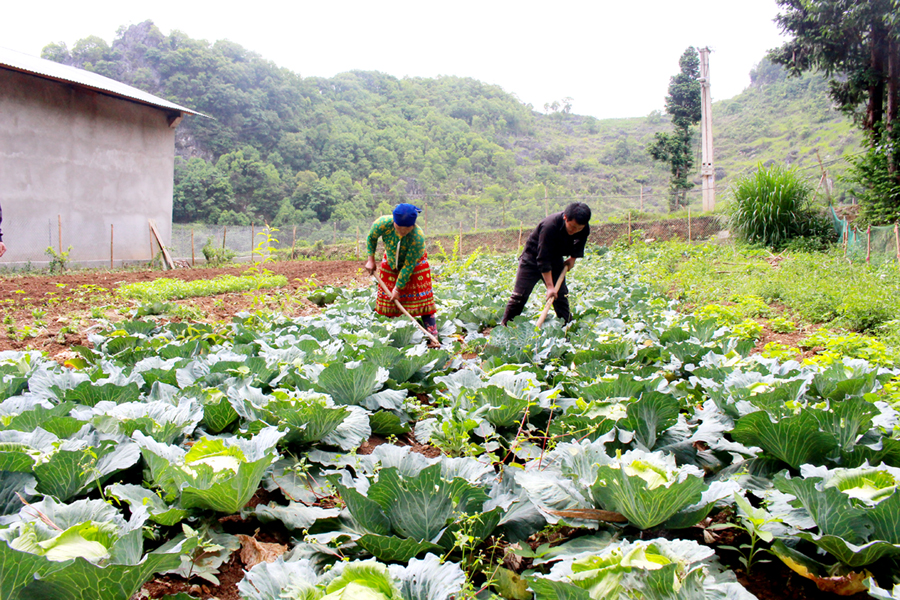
(51, 312)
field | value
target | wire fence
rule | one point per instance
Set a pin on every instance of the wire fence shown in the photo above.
(460, 229)
(498, 228)
(76, 240)
(874, 245)
(347, 239)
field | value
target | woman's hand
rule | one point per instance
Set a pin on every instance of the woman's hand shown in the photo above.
(370, 265)
(395, 294)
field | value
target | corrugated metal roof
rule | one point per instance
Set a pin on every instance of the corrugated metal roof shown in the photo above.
(52, 70)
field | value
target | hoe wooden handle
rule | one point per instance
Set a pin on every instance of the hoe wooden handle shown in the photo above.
(547, 306)
(385, 289)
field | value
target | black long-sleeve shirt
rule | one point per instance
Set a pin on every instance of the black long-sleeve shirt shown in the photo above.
(550, 242)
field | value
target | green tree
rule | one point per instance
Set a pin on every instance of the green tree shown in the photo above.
(89, 50)
(320, 199)
(856, 44)
(201, 193)
(257, 185)
(57, 52)
(683, 103)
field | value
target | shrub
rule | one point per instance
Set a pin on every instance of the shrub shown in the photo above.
(819, 236)
(216, 256)
(782, 325)
(771, 207)
(878, 190)
(59, 261)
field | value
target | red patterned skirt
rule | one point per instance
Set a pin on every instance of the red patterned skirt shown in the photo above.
(416, 297)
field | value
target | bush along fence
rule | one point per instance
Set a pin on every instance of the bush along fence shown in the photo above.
(194, 244)
(872, 245)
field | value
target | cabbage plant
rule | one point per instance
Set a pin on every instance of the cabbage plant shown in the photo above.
(358, 383)
(403, 516)
(498, 399)
(425, 579)
(160, 420)
(307, 417)
(84, 550)
(843, 434)
(854, 511)
(646, 488)
(220, 474)
(65, 468)
(652, 569)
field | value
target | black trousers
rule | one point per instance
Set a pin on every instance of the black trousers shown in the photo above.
(527, 276)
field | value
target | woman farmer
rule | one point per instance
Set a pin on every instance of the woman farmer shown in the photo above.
(404, 268)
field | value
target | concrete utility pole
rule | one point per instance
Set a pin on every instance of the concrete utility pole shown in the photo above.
(707, 169)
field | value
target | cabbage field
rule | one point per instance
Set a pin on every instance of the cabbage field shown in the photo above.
(639, 452)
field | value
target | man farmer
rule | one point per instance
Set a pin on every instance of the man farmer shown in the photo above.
(559, 235)
(404, 268)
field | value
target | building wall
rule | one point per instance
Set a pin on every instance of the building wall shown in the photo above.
(77, 161)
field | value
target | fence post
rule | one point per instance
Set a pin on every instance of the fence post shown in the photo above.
(520, 234)
(868, 243)
(629, 228)
(150, 229)
(690, 233)
(357, 242)
(252, 236)
(846, 236)
(897, 239)
(425, 211)
(334, 236)
(224, 233)
(293, 241)
(192, 246)
(460, 238)
(59, 237)
(476, 220)
(642, 198)
(110, 245)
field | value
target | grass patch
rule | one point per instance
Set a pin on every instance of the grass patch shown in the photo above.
(817, 288)
(164, 289)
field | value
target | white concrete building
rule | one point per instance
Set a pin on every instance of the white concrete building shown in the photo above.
(85, 162)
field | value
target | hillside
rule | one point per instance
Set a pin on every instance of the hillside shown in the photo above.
(777, 119)
(288, 149)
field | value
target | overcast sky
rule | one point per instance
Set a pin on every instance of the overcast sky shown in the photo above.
(613, 58)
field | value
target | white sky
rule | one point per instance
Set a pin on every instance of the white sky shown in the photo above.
(614, 58)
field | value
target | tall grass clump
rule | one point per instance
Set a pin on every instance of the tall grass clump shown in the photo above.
(771, 207)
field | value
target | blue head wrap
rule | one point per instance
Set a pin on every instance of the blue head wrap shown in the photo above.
(405, 214)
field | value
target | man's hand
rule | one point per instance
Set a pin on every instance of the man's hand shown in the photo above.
(549, 284)
(570, 263)
(370, 265)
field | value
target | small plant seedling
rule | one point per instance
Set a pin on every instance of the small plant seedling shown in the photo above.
(59, 261)
(751, 521)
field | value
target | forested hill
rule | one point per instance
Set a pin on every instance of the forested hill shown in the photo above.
(286, 149)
